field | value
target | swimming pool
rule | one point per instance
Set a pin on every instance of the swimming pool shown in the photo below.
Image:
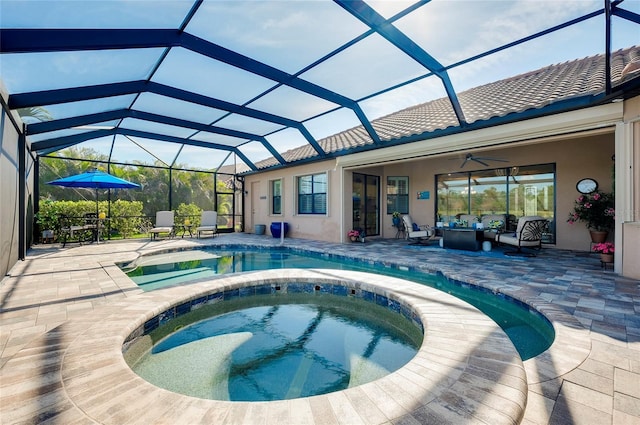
(530, 332)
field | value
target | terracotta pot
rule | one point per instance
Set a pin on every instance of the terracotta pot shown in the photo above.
(598, 236)
(354, 238)
(606, 258)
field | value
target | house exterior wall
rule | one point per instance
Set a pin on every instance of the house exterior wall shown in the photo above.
(575, 158)
(319, 227)
(580, 144)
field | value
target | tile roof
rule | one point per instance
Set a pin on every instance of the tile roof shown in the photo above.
(529, 91)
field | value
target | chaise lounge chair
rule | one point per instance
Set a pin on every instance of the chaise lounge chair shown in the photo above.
(164, 224)
(417, 234)
(208, 223)
(528, 234)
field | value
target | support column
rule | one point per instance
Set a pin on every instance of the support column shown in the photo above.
(22, 185)
(624, 191)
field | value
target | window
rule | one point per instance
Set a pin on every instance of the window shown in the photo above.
(312, 194)
(398, 195)
(276, 197)
(515, 191)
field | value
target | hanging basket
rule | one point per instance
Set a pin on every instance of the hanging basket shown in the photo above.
(598, 236)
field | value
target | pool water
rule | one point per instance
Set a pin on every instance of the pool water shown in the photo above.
(530, 332)
(284, 348)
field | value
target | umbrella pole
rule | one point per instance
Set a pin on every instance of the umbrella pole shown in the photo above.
(97, 219)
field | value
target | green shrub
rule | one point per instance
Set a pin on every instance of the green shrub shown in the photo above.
(127, 217)
(188, 211)
(127, 214)
(48, 216)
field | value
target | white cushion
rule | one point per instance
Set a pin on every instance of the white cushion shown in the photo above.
(161, 229)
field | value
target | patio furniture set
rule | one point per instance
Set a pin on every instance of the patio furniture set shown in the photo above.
(472, 234)
(80, 229)
(165, 223)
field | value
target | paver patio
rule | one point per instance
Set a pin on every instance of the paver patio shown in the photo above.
(590, 376)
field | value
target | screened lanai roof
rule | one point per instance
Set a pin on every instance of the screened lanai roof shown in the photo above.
(271, 83)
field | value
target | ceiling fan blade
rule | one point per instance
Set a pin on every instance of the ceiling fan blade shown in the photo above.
(481, 162)
(486, 158)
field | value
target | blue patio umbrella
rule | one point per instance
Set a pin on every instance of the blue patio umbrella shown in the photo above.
(94, 179)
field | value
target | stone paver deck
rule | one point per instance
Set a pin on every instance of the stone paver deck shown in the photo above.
(59, 303)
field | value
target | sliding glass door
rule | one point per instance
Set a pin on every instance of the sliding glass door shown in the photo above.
(366, 204)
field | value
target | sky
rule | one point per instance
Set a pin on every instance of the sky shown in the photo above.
(292, 35)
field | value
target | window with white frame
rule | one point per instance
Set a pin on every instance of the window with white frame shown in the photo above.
(276, 197)
(312, 194)
(398, 195)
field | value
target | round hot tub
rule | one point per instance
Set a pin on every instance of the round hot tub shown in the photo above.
(464, 357)
(300, 340)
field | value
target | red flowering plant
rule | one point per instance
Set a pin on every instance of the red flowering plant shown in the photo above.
(353, 234)
(604, 248)
(595, 209)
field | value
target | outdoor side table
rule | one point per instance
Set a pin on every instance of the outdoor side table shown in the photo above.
(186, 228)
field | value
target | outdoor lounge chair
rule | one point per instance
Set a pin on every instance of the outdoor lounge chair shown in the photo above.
(528, 234)
(417, 234)
(164, 224)
(208, 223)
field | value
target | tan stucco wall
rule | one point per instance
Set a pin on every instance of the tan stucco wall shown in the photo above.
(586, 156)
(258, 203)
(575, 159)
(580, 144)
(631, 251)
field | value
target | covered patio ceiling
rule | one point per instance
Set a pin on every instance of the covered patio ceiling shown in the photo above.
(212, 83)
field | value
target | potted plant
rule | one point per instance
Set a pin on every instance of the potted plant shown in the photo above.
(354, 235)
(606, 250)
(597, 211)
(396, 219)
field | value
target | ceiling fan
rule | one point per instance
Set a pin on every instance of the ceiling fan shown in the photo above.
(479, 160)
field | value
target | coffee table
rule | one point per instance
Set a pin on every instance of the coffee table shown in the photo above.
(462, 238)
